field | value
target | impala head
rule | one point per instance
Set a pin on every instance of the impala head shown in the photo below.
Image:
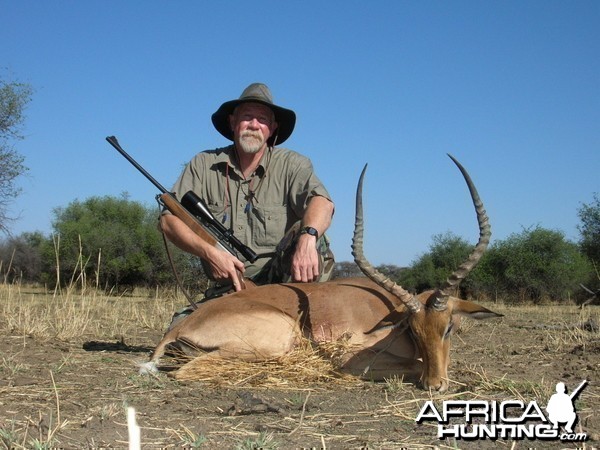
(433, 314)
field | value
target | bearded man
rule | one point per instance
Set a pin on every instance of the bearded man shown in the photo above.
(268, 196)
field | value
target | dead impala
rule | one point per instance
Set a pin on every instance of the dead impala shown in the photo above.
(388, 331)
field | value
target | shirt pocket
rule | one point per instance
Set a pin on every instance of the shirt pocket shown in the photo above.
(268, 225)
(217, 210)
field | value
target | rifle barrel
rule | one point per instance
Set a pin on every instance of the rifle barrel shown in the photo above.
(577, 390)
(112, 140)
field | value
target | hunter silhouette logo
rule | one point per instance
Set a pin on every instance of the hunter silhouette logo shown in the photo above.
(510, 419)
(561, 408)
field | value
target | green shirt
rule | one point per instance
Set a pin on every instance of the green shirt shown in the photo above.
(259, 209)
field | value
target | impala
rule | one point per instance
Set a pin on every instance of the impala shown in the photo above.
(387, 330)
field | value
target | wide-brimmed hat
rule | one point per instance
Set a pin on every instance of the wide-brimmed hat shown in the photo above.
(256, 93)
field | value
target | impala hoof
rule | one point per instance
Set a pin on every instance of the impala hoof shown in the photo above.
(148, 368)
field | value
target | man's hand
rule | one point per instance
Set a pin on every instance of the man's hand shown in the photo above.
(225, 266)
(305, 261)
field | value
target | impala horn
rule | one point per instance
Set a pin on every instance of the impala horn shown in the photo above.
(485, 232)
(357, 251)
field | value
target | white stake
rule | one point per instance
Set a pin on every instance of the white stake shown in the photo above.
(133, 429)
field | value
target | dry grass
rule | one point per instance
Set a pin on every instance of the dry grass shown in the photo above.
(69, 315)
(306, 364)
(490, 367)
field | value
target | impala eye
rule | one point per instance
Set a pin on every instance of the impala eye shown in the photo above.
(449, 330)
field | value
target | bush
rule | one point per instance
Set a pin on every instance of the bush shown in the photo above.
(113, 242)
(534, 265)
(21, 258)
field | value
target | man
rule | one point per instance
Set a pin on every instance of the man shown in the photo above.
(262, 193)
(560, 408)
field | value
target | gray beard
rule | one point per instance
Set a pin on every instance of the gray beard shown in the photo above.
(251, 143)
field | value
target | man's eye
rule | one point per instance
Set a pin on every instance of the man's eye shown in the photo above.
(261, 119)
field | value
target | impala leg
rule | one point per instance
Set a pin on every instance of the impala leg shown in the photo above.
(267, 333)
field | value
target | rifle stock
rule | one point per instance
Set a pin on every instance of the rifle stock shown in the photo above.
(177, 210)
(192, 223)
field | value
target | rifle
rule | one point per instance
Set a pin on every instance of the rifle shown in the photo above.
(195, 214)
(578, 389)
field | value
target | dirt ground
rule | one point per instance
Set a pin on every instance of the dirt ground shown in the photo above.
(73, 394)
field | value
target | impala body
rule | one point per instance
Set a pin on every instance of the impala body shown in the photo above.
(386, 331)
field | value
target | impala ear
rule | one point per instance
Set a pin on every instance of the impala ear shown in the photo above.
(472, 310)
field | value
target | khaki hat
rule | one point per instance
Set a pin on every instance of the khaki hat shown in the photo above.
(256, 93)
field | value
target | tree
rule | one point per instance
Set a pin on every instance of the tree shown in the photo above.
(113, 242)
(346, 269)
(431, 269)
(349, 269)
(21, 257)
(14, 97)
(590, 229)
(391, 271)
(534, 265)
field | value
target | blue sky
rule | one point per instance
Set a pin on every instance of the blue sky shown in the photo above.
(511, 88)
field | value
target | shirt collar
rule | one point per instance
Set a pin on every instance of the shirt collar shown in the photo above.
(227, 156)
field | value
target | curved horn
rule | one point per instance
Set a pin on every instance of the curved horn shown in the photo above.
(357, 251)
(484, 235)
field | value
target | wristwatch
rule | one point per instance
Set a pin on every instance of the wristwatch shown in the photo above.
(310, 230)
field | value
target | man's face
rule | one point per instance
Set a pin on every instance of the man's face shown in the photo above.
(252, 124)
